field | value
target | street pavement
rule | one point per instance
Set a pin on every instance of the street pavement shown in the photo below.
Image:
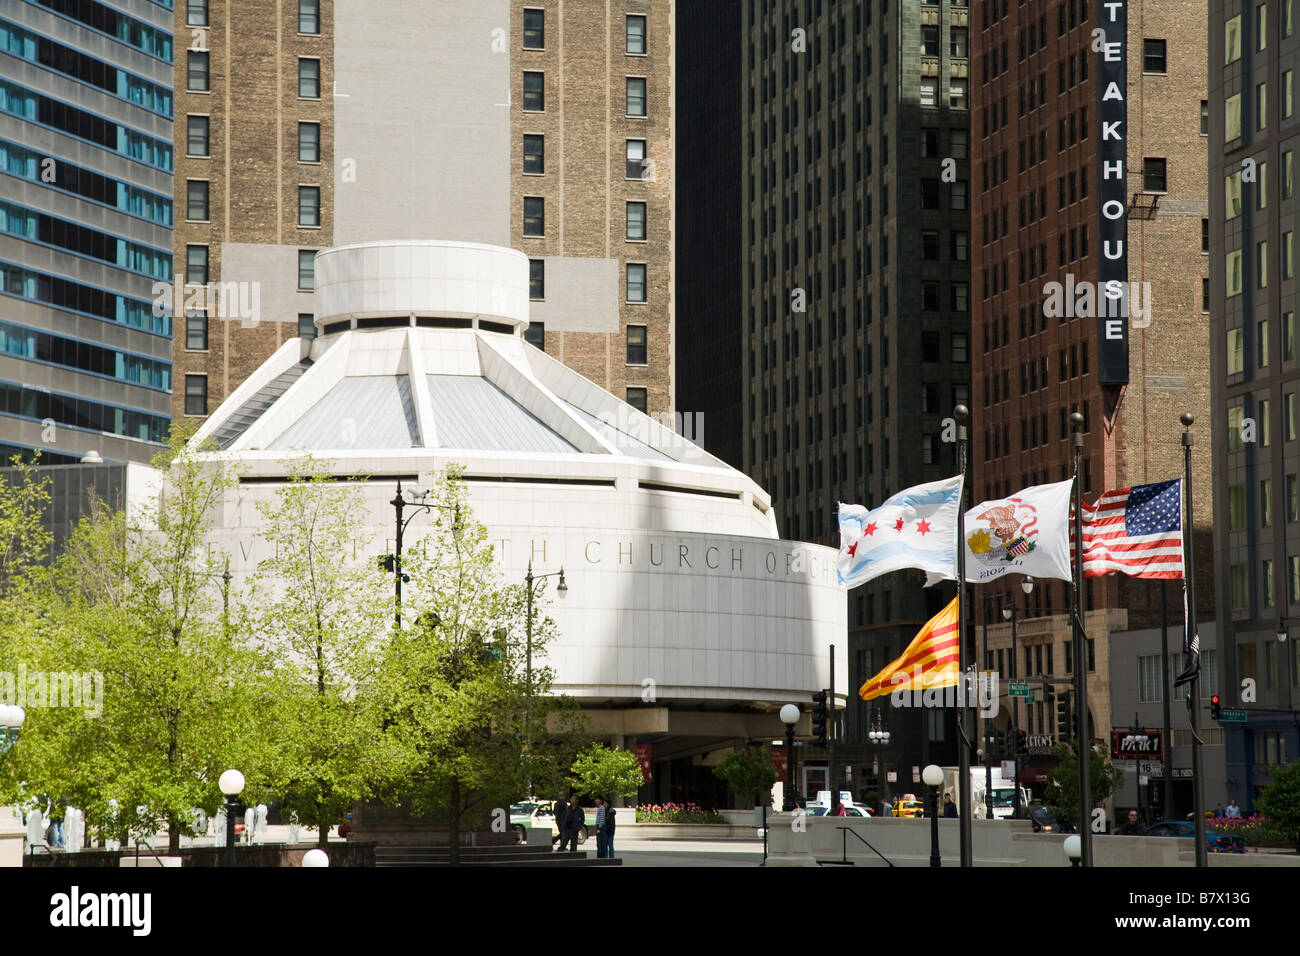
(659, 852)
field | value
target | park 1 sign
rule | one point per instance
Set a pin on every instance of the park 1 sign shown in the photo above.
(1128, 743)
(1112, 194)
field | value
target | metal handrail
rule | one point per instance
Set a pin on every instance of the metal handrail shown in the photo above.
(845, 839)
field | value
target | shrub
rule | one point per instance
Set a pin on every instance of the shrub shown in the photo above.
(677, 813)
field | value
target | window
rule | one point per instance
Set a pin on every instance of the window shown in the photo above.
(196, 330)
(306, 269)
(957, 42)
(958, 195)
(306, 325)
(1236, 507)
(1236, 357)
(1261, 413)
(1266, 582)
(929, 194)
(1153, 175)
(929, 245)
(308, 206)
(1205, 117)
(1232, 195)
(308, 79)
(196, 141)
(537, 278)
(636, 282)
(930, 91)
(636, 164)
(636, 397)
(196, 13)
(636, 345)
(534, 29)
(1288, 93)
(1235, 419)
(1205, 235)
(1261, 105)
(960, 347)
(1265, 503)
(534, 154)
(1232, 118)
(1261, 265)
(1232, 40)
(309, 142)
(1261, 26)
(196, 200)
(1286, 32)
(534, 216)
(534, 95)
(957, 97)
(196, 265)
(1261, 340)
(1153, 56)
(929, 41)
(636, 228)
(1288, 174)
(196, 80)
(1288, 336)
(636, 34)
(1150, 680)
(1288, 248)
(1292, 498)
(309, 17)
(636, 96)
(196, 394)
(1232, 272)
(1288, 416)
(535, 335)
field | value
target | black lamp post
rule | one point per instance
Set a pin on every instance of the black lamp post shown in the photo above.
(789, 717)
(232, 785)
(932, 777)
(562, 589)
(1009, 614)
(880, 737)
(401, 502)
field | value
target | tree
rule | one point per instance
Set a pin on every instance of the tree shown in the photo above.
(475, 725)
(132, 600)
(604, 771)
(748, 770)
(1279, 802)
(24, 539)
(323, 617)
(1063, 781)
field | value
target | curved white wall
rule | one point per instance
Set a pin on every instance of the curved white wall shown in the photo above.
(424, 277)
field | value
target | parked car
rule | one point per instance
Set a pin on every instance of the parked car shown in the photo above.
(1048, 819)
(1215, 841)
(850, 810)
(909, 808)
(531, 814)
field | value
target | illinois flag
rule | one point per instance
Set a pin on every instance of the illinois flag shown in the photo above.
(1027, 533)
(916, 528)
(931, 660)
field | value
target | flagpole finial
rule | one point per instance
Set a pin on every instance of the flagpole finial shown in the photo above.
(961, 413)
(1187, 418)
(1077, 419)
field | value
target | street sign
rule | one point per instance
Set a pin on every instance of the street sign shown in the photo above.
(1019, 688)
(1232, 715)
(891, 776)
(1150, 768)
(1030, 698)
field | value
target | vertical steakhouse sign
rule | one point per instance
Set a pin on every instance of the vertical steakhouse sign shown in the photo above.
(1112, 193)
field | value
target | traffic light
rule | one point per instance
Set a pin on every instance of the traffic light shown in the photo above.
(1049, 691)
(1022, 744)
(1063, 716)
(999, 743)
(1215, 709)
(819, 715)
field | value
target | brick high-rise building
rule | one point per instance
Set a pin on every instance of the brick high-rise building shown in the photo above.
(1041, 136)
(85, 229)
(856, 333)
(541, 125)
(1252, 138)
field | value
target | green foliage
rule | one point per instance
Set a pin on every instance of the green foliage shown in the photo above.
(677, 813)
(322, 613)
(1063, 780)
(1279, 802)
(604, 771)
(24, 538)
(746, 771)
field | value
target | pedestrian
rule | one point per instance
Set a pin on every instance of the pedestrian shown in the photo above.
(949, 808)
(1218, 811)
(609, 833)
(573, 821)
(1132, 827)
(1233, 812)
(600, 827)
(561, 811)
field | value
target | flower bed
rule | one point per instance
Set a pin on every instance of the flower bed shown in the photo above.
(1254, 829)
(677, 813)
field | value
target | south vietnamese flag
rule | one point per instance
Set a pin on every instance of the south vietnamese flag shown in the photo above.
(916, 528)
(931, 660)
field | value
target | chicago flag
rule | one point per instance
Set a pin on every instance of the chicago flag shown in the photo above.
(916, 528)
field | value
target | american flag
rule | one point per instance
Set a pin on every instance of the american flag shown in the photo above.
(1135, 531)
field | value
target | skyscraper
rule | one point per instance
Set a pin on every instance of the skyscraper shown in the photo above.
(856, 290)
(1252, 128)
(1079, 182)
(85, 228)
(543, 126)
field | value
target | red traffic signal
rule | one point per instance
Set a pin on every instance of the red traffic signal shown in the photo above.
(1215, 709)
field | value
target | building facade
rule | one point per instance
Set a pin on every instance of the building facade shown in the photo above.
(86, 165)
(1252, 140)
(1089, 166)
(543, 126)
(856, 290)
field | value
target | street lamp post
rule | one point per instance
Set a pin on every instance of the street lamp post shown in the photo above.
(1288, 668)
(562, 589)
(232, 785)
(789, 717)
(1009, 614)
(932, 777)
(400, 503)
(880, 737)
(11, 720)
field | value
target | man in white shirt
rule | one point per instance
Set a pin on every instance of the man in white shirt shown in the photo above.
(1233, 812)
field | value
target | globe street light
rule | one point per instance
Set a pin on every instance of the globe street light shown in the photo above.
(1073, 848)
(315, 858)
(232, 785)
(789, 717)
(11, 718)
(932, 777)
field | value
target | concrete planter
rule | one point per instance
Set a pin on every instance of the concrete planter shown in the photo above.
(685, 831)
(268, 854)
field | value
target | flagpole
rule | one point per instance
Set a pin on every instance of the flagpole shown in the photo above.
(1191, 642)
(1081, 657)
(965, 715)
